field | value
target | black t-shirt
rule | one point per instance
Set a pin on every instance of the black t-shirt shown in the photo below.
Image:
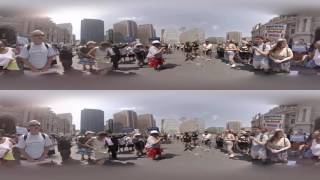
(186, 138)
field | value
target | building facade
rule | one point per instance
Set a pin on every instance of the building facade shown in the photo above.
(92, 120)
(66, 123)
(297, 27)
(13, 27)
(234, 125)
(170, 35)
(109, 35)
(145, 121)
(145, 33)
(92, 30)
(124, 120)
(192, 125)
(13, 116)
(125, 31)
(170, 126)
(191, 35)
(296, 117)
(109, 125)
(235, 36)
(68, 27)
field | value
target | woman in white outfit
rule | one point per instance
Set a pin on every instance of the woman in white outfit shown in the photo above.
(98, 145)
(101, 55)
(315, 147)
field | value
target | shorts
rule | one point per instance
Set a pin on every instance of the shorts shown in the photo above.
(259, 152)
(261, 64)
(85, 151)
(230, 53)
(86, 61)
(311, 64)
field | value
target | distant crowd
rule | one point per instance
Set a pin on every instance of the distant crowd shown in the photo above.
(260, 144)
(260, 53)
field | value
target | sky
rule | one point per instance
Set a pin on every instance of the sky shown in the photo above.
(214, 107)
(216, 17)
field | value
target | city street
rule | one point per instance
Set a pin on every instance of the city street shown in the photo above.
(197, 75)
(199, 164)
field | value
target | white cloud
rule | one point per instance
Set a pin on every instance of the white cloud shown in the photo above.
(215, 27)
(133, 18)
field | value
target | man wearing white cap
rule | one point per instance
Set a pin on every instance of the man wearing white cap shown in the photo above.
(153, 146)
(34, 146)
(37, 56)
(155, 55)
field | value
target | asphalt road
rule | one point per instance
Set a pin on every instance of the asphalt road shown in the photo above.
(179, 75)
(178, 165)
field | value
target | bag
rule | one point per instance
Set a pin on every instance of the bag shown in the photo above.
(3, 151)
(13, 66)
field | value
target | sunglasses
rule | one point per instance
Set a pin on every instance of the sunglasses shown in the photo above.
(38, 35)
(34, 126)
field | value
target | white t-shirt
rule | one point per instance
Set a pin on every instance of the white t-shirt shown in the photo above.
(153, 52)
(151, 142)
(263, 138)
(37, 55)
(260, 47)
(109, 141)
(34, 144)
(316, 57)
(207, 137)
(315, 148)
(207, 46)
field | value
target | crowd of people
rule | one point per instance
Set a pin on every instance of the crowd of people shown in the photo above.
(100, 58)
(36, 147)
(260, 53)
(259, 144)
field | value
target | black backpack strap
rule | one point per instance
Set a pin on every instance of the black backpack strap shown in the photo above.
(28, 47)
(25, 137)
(43, 135)
(46, 45)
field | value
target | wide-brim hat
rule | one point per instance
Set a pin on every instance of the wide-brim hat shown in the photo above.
(88, 132)
(156, 42)
(154, 132)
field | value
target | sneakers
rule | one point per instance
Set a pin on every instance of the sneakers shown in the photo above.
(233, 65)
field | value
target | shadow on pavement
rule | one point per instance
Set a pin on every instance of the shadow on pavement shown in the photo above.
(118, 163)
(119, 73)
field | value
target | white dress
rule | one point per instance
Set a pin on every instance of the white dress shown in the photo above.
(100, 152)
(102, 59)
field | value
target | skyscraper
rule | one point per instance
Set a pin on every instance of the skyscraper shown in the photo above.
(92, 120)
(124, 120)
(125, 31)
(92, 30)
(145, 32)
(109, 35)
(145, 121)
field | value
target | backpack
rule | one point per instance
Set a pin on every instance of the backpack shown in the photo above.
(26, 136)
(116, 50)
(45, 44)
